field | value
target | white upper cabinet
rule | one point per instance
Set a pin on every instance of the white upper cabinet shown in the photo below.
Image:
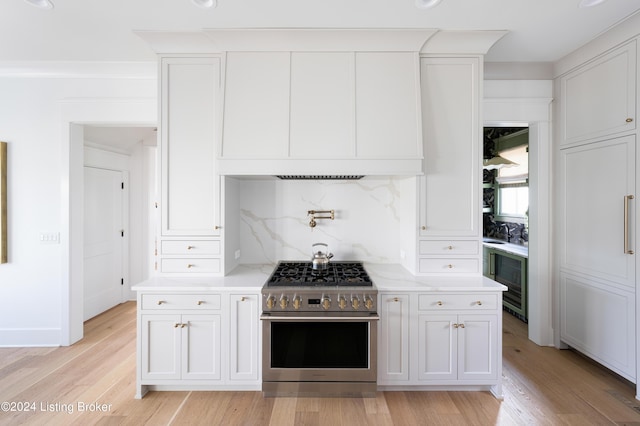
(598, 99)
(322, 105)
(256, 105)
(388, 100)
(189, 126)
(449, 191)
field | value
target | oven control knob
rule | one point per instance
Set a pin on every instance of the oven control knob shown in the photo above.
(297, 302)
(284, 301)
(355, 302)
(368, 302)
(271, 302)
(342, 302)
(326, 303)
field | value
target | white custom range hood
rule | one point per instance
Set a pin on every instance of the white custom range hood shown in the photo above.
(321, 101)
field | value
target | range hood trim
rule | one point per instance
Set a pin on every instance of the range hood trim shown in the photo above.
(333, 167)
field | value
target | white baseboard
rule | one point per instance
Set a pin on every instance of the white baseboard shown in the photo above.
(29, 337)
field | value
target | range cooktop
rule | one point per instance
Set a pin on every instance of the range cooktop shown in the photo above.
(289, 274)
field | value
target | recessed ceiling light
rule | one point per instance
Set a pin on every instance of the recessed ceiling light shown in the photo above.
(427, 4)
(590, 3)
(42, 4)
(206, 4)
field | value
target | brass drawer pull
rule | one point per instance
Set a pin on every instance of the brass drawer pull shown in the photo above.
(161, 302)
(629, 120)
(439, 303)
(479, 303)
(200, 302)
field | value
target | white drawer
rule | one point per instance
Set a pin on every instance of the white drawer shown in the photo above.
(190, 247)
(449, 265)
(188, 265)
(181, 301)
(449, 247)
(443, 302)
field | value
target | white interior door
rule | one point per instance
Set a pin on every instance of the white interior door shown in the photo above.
(103, 240)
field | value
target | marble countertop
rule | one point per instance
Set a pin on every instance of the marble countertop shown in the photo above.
(516, 249)
(386, 277)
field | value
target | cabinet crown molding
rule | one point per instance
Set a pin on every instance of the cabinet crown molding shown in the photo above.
(427, 41)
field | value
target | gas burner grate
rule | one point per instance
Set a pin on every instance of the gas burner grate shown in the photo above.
(303, 274)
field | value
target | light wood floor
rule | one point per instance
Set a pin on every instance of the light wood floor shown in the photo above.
(543, 386)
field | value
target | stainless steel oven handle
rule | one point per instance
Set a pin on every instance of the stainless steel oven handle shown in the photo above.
(343, 319)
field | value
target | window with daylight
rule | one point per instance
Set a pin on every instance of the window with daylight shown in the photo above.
(512, 186)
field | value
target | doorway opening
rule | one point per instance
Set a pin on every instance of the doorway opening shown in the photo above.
(506, 214)
(117, 219)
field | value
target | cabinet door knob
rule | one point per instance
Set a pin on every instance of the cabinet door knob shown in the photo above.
(629, 120)
(439, 303)
(450, 266)
(479, 302)
(183, 325)
(396, 299)
(216, 227)
(242, 299)
(461, 325)
(176, 325)
(190, 247)
(189, 266)
(450, 248)
(456, 325)
(424, 228)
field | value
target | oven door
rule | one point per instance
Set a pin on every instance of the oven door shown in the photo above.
(317, 348)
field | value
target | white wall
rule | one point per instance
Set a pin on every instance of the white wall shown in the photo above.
(371, 216)
(33, 284)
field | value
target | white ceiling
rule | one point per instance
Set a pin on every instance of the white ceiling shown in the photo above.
(119, 139)
(101, 30)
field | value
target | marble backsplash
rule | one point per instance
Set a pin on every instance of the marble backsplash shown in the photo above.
(370, 215)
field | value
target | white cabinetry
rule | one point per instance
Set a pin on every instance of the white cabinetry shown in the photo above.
(598, 99)
(457, 347)
(597, 266)
(244, 344)
(440, 339)
(181, 347)
(190, 195)
(207, 341)
(393, 341)
(458, 336)
(597, 208)
(449, 191)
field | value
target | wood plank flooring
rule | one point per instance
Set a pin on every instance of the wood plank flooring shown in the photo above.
(542, 386)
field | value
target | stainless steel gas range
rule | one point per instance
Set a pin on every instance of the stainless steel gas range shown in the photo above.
(319, 330)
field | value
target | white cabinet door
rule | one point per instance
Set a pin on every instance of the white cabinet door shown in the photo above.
(244, 347)
(594, 180)
(477, 340)
(189, 125)
(437, 346)
(393, 341)
(458, 347)
(201, 348)
(450, 189)
(599, 320)
(387, 105)
(598, 98)
(322, 105)
(256, 105)
(160, 347)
